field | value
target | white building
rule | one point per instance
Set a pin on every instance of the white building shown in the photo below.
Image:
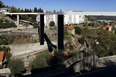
(68, 19)
(3, 10)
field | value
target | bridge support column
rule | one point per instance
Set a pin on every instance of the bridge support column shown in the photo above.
(17, 20)
(60, 32)
(41, 29)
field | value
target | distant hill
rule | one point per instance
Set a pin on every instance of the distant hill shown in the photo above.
(104, 17)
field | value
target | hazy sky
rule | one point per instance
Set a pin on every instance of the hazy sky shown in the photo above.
(65, 5)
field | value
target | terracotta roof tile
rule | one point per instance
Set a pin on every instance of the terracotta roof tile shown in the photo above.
(107, 26)
(34, 56)
(1, 55)
(65, 53)
(69, 27)
(77, 11)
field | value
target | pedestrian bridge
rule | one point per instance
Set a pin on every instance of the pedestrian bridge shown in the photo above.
(60, 22)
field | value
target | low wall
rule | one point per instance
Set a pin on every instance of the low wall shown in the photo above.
(80, 62)
(106, 61)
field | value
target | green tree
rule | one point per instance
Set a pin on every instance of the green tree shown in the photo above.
(59, 57)
(66, 35)
(78, 30)
(42, 60)
(14, 9)
(35, 9)
(52, 23)
(16, 66)
(1, 4)
(24, 17)
(40, 10)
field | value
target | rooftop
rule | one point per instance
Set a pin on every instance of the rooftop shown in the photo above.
(69, 27)
(1, 55)
(107, 26)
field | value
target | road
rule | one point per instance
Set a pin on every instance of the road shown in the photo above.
(104, 72)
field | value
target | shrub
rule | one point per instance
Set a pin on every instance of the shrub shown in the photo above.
(42, 60)
(35, 25)
(52, 23)
(8, 56)
(78, 30)
(6, 49)
(7, 24)
(66, 34)
(58, 58)
(5, 40)
(16, 66)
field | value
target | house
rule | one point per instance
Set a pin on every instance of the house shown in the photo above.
(70, 29)
(1, 58)
(108, 27)
(3, 10)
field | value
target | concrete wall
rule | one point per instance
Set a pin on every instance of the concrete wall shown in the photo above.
(80, 62)
(106, 61)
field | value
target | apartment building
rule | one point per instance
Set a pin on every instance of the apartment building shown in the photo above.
(68, 19)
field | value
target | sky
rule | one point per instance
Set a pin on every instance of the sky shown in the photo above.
(65, 5)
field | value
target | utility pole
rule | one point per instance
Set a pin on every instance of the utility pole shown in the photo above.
(94, 62)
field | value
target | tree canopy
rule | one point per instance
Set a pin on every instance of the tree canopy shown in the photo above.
(78, 30)
(52, 23)
(16, 66)
(35, 9)
(1, 4)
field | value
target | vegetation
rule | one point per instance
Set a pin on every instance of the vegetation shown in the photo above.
(6, 49)
(8, 56)
(35, 25)
(4, 40)
(82, 40)
(6, 24)
(13, 9)
(1, 4)
(104, 17)
(46, 59)
(66, 34)
(16, 66)
(58, 57)
(52, 23)
(7, 52)
(42, 60)
(106, 46)
(78, 30)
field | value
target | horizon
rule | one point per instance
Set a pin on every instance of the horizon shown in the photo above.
(64, 5)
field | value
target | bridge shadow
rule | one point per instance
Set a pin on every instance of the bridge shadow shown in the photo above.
(61, 70)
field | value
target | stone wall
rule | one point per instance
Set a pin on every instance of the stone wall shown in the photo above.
(80, 62)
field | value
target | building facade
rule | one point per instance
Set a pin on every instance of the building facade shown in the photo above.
(3, 10)
(68, 19)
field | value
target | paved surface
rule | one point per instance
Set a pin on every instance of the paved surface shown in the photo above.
(107, 61)
(104, 72)
(5, 70)
(21, 49)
